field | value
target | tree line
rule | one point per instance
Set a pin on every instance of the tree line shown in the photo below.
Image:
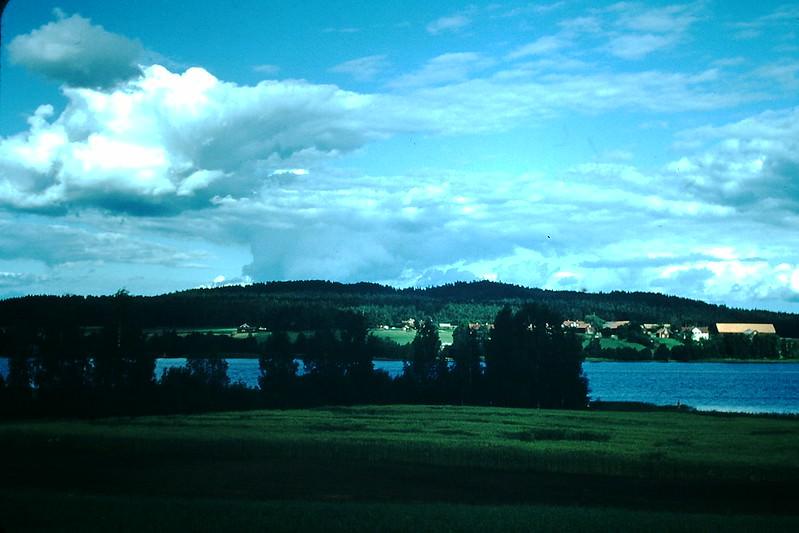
(527, 360)
(306, 305)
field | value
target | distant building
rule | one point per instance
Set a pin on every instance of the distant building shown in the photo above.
(696, 333)
(726, 328)
(578, 326)
(615, 324)
(660, 331)
(246, 328)
(663, 332)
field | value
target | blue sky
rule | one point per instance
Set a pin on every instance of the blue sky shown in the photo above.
(571, 145)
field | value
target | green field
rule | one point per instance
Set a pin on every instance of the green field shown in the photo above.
(401, 468)
(406, 337)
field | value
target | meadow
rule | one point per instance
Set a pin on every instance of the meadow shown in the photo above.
(400, 468)
(403, 337)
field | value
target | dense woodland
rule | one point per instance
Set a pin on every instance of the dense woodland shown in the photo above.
(309, 305)
(74, 355)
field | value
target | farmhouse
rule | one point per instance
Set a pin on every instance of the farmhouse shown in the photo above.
(696, 333)
(578, 326)
(660, 331)
(726, 328)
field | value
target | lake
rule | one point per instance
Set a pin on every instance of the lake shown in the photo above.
(734, 387)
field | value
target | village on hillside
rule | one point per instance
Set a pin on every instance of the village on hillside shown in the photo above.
(665, 331)
(628, 340)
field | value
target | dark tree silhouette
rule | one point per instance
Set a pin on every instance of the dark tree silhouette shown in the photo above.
(466, 374)
(532, 362)
(354, 347)
(426, 371)
(123, 371)
(278, 370)
(210, 372)
(425, 364)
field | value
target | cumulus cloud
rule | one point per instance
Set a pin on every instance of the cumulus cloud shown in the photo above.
(168, 142)
(198, 159)
(77, 53)
(751, 164)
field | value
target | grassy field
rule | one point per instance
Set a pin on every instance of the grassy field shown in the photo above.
(406, 337)
(401, 468)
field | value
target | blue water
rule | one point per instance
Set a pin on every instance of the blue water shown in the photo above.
(739, 387)
(735, 387)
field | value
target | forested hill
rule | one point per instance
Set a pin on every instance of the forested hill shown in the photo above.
(317, 304)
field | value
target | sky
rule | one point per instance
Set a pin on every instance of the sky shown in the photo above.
(567, 145)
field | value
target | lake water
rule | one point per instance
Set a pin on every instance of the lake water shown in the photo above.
(737, 387)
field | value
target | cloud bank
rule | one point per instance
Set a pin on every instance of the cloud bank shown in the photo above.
(149, 167)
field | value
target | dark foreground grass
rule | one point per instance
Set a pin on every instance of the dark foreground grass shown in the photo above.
(401, 468)
(44, 511)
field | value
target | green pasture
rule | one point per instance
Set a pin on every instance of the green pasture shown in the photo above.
(406, 337)
(402, 468)
(619, 343)
(670, 343)
(613, 343)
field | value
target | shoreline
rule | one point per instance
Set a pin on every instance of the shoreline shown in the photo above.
(747, 361)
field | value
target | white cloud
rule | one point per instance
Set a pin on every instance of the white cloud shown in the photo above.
(542, 46)
(450, 23)
(363, 68)
(266, 69)
(445, 69)
(670, 19)
(77, 53)
(63, 242)
(633, 30)
(782, 16)
(551, 231)
(499, 102)
(753, 163)
(167, 137)
(200, 160)
(783, 73)
(638, 46)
